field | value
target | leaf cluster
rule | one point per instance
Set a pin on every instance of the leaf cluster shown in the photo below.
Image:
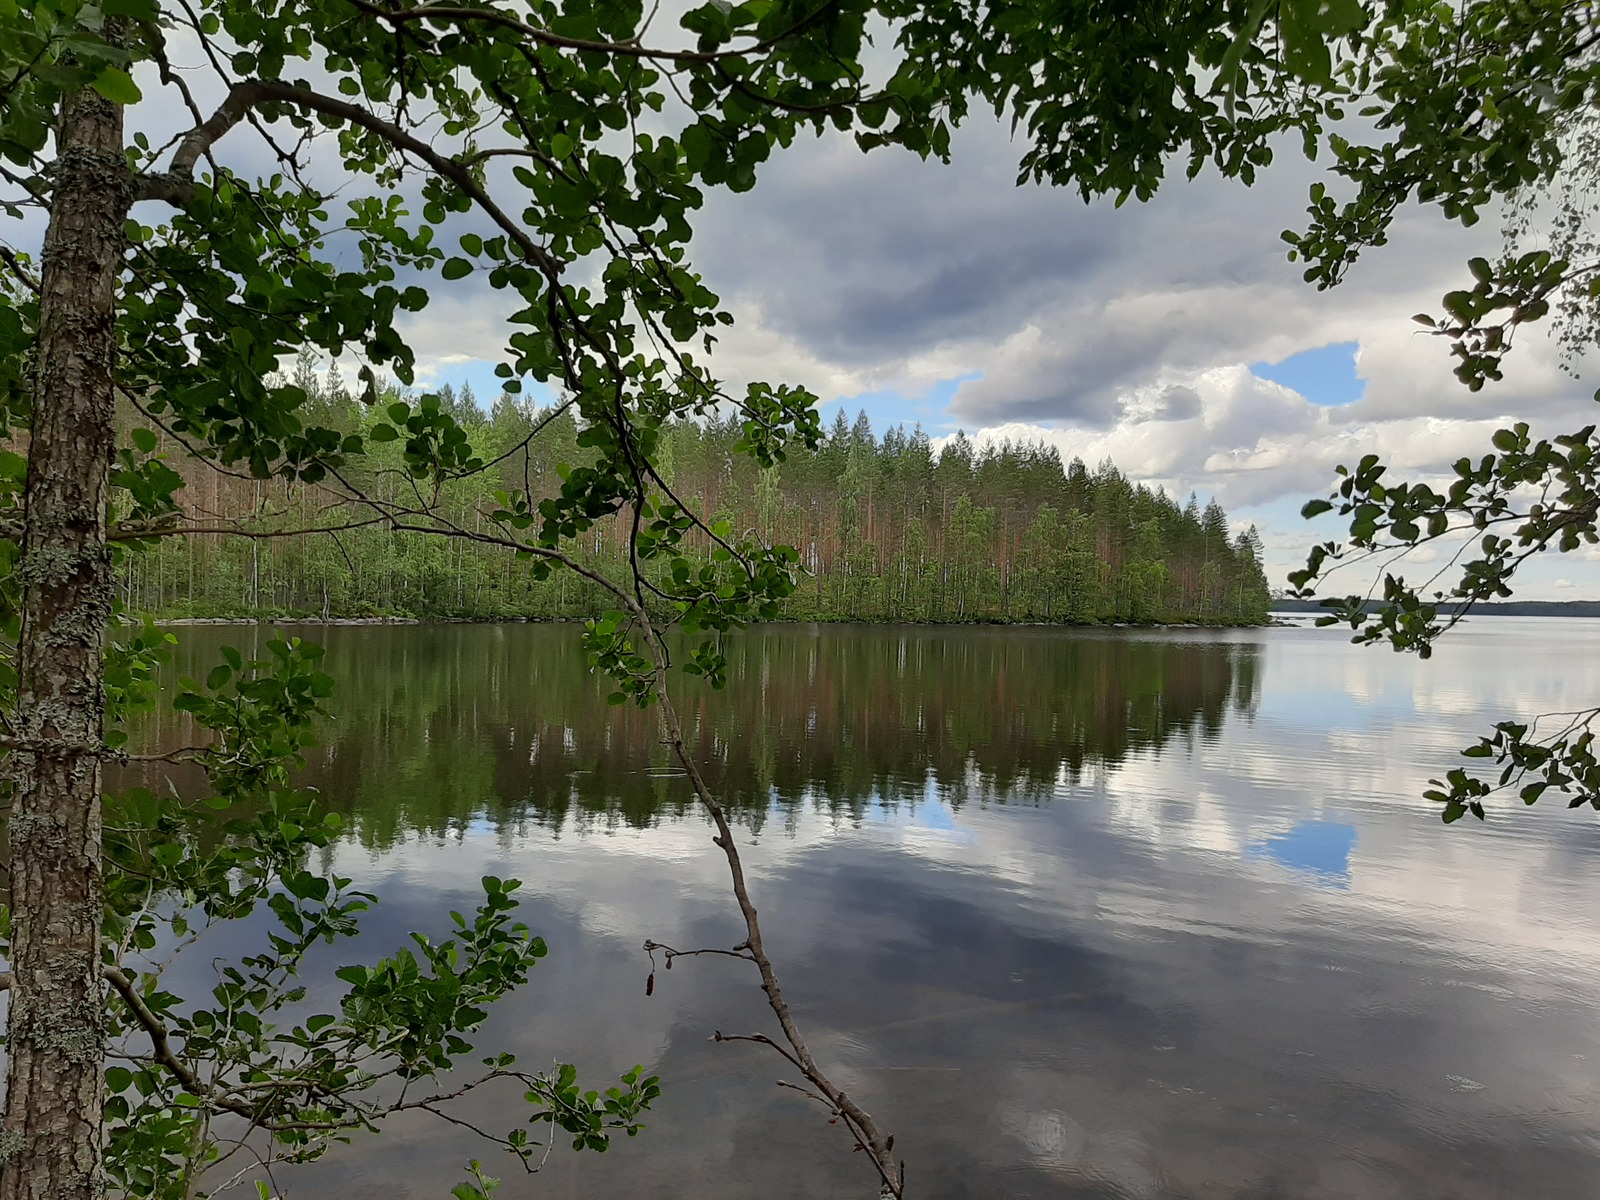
(1530, 496)
(1467, 102)
(194, 1077)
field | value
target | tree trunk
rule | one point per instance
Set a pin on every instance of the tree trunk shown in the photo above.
(50, 1146)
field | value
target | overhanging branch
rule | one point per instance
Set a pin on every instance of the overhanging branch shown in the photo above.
(176, 184)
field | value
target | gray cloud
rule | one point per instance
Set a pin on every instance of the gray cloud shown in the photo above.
(1115, 333)
(1180, 403)
(862, 256)
(877, 270)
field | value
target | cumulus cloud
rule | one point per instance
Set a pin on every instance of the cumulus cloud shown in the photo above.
(1244, 439)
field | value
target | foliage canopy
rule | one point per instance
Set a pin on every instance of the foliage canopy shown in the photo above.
(1489, 103)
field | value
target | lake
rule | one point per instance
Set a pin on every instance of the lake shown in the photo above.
(1073, 913)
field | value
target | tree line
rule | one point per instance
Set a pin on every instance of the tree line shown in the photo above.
(895, 528)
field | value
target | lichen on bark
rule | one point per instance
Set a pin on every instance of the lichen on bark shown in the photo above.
(50, 1145)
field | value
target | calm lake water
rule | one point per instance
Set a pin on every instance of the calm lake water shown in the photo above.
(1073, 913)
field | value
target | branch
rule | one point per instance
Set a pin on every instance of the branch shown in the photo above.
(879, 1148)
(651, 947)
(183, 754)
(136, 533)
(176, 185)
(156, 1029)
(859, 1120)
(27, 277)
(288, 160)
(629, 48)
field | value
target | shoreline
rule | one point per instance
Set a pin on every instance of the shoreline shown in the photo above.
(378, 621)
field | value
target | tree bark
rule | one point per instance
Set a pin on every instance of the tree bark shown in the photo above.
(50, 1142)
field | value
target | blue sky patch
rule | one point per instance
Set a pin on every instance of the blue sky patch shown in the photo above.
(485, 383)
(1320, 849)
(1325, 376)
(887, 409)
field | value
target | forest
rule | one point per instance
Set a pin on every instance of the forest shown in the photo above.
(886, 529)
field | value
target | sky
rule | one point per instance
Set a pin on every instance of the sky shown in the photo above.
(1173, 337)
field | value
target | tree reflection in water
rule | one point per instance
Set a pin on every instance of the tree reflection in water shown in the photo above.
(441, 725)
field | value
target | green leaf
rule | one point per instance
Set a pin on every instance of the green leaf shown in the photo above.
(144, 440)
(1229, 74)
(116, 85)
(456, 268)
(1305, 52)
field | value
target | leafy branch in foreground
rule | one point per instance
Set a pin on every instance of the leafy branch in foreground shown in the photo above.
(1507, 507)
(1471, 105)
(255, 1076)
(1532, 765)
(1528, 497)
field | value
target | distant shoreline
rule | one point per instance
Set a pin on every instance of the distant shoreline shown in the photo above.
(1497, 608)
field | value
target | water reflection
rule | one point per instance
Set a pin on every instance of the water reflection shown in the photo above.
(441, 725)
(1115, 915)
(1320, 848)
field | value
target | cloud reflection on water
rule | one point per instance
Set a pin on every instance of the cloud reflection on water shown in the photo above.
(1058, 955)
(1318, 848)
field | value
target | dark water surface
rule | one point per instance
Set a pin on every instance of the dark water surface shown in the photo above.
(1075, 914)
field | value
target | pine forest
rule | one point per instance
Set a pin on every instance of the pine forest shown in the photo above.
(887, 529)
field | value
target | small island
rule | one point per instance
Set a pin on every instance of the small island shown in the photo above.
(901, 528)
